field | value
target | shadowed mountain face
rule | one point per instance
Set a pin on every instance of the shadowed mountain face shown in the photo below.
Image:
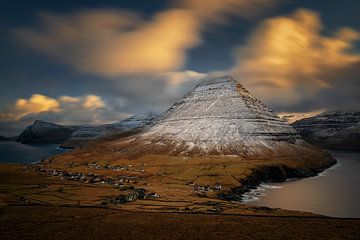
(73, 136)
(218, 117)
(85, 134)
(45, 132)
(333, 130)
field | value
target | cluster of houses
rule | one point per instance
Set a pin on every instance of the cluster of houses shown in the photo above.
(130, 192)
(128, 167)
(132, 195)
(204, 189)
(89, 177)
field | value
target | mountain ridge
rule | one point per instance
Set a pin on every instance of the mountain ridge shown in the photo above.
(218, 117)
(333, 130)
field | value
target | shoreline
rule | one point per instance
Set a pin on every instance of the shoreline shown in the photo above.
(280, 173)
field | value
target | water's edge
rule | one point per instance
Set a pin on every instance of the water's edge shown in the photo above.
(274, 173)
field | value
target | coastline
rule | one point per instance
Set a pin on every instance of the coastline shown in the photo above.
(280, 173)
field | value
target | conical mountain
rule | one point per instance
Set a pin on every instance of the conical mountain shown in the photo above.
(218, 117)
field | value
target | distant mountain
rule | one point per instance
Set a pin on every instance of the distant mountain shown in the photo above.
(84, 134)
(72, 136)
(45, 132)
(332, 130)
(2, 138)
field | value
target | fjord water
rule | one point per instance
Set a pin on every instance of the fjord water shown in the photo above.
(335, 192)
(15, 152)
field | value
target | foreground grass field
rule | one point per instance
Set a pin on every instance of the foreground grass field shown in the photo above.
(37, 206)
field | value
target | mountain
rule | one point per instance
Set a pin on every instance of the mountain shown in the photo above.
(332, 130)
(72, 136)
(45, 132)
(217, 140)
(2, 138)
(219, 117)
(84, 134)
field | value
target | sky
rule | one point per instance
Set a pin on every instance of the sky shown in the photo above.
(92, 62)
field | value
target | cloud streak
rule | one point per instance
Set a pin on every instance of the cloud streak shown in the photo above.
(113, 42)
(285, 60)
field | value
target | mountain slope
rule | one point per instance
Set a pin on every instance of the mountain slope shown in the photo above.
(45, 132)
(73, 136)
(219, 117)
(84, 134)
(333, 130)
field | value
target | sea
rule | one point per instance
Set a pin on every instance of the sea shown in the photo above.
(334, 192)
(15, 152)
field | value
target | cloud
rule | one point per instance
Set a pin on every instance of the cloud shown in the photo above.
(291, 117)
(70, 110)
(113, 42)
(286, 59)
(179, 77)
(215, 11)
(93, 102)
(35, 104)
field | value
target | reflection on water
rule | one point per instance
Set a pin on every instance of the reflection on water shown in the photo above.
(14, 152)
(335, 192)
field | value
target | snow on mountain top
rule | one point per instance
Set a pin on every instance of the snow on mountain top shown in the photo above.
(218, 116)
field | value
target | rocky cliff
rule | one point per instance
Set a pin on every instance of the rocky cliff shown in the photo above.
(332, 130)
(45, 132)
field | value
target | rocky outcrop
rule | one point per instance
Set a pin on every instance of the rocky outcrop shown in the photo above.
(45, 132)
(219, 117)
(332, 130)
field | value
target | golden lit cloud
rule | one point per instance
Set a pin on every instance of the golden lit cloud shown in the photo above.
(180, 77)
(291, 117)
(286, 57)
(112, 42)
(93, 102)
(69, 99)
(40, 104)
(35, 104)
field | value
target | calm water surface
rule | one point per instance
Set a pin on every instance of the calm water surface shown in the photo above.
(335, 192)
(14, 152)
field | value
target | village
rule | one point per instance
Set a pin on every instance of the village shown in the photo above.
(132, 187)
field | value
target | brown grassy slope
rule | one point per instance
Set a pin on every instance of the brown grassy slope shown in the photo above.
(35, 206)
(89, 223)
(168, 175)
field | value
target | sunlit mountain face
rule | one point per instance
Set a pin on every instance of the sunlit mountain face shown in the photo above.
(98, 62)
